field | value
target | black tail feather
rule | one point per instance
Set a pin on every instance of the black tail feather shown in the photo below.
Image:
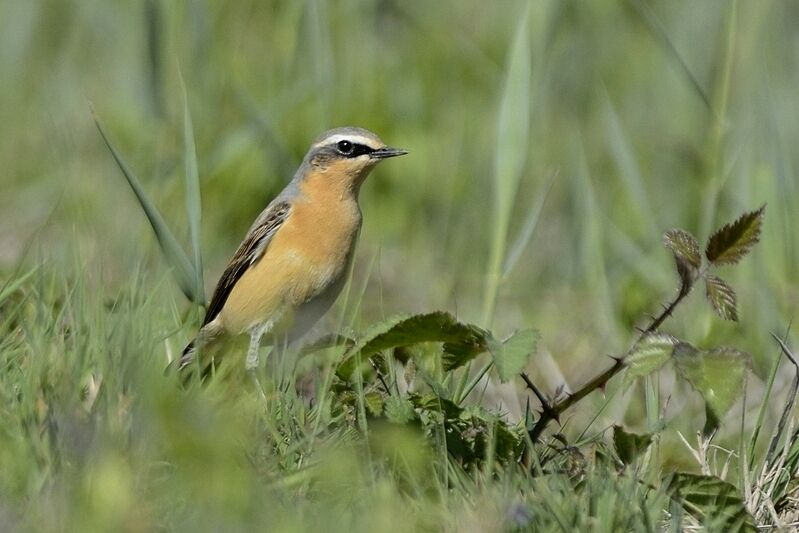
(186, 366)
(187, 356)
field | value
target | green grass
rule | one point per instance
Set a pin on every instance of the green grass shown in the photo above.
(549, 151)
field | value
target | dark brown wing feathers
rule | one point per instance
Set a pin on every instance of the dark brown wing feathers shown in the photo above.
(249, 251)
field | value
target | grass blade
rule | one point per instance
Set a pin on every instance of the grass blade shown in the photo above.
(173, 253)
(510, 154)
(528, 229)
(193, 198)
(764, 404)
(629, 170)
(659, 32)
(14, 283)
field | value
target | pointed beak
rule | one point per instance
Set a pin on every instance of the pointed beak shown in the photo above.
(386, 152)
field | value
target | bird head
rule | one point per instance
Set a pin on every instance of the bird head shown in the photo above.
(347, 155)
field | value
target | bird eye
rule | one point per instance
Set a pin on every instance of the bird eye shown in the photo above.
(345, 147)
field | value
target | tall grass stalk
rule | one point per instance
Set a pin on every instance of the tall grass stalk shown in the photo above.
(193, 197)
(719, 127)
(510, 155)
(182, 268)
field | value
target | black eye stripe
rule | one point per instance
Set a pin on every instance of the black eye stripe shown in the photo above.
(351, 149)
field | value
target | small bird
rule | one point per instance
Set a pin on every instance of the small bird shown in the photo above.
(294, 260)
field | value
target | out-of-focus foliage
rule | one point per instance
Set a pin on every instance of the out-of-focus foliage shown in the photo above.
(650, 115)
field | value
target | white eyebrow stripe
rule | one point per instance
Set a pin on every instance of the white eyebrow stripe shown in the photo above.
(355, 139)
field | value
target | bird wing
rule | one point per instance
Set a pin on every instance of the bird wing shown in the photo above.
(250, 250)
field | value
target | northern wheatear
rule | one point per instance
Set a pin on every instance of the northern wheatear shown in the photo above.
(294, 260)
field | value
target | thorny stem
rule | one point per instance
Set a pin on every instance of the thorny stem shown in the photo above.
(550, 412)
(380, 376)
(685, 289)
(541, 398)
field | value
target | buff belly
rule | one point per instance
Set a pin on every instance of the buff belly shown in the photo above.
(297, 279)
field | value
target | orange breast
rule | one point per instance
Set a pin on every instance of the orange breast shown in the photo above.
(308, 254)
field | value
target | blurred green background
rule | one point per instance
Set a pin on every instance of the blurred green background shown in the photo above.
(643, 116)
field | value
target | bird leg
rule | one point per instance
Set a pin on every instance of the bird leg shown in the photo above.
(251, 363)
(256, 333)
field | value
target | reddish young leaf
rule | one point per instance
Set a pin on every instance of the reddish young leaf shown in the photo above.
(733, 241)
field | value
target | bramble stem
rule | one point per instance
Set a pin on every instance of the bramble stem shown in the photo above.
(667, 312)
(551, 412)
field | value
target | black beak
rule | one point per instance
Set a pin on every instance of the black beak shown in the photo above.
(386, 152)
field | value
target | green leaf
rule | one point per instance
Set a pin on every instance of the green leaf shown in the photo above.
(511, 356)
(399, 410)
(718, 374)
(683, 245)
(173, 253)
(710, 499)
(373, 402)
(327, 341)
(439, 404)
(686, 252)
(722, 297)
(458, 353)
(507, 441)
(629, 445)
(649, 354)
(193, 198)
(405, 330)
(733, 241)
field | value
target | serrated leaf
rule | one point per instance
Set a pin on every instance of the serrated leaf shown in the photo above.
(683, 245)
(406, 330)
(722, 297)
(710, 499)
(399, 410)
(685, 249)
(373, 402)
(649, 354)
(458, 353)
(733, 241)
(718, 374)
(511, 356)
(506, 441)
(629, 445)
(433, 402)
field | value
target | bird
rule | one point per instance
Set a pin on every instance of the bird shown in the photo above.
(296, 256)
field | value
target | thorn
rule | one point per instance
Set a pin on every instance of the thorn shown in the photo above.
(640, 330)
(551, 413)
